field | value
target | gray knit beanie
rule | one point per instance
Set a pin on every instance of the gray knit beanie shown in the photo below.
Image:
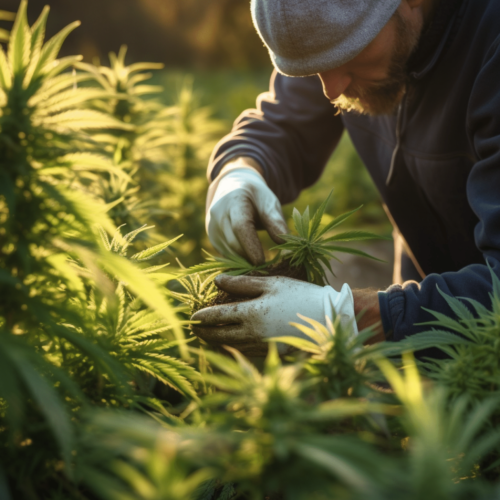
(305, 37)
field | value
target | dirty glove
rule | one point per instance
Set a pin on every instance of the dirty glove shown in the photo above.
(238, 202)
(275, 303)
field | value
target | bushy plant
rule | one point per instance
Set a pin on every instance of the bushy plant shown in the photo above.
(99, 397)
(80, 324)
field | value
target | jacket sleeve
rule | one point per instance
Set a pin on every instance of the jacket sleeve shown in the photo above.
(402, 306)
(291, 134)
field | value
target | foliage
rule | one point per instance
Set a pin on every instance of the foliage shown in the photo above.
(311, 247)
(5, 16)
(99, 397)
(233, 265)
(80, 324)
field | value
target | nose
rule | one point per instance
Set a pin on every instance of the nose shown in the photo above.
(335, 83)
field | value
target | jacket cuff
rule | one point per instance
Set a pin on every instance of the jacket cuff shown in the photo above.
(391, 303)
(217, 163)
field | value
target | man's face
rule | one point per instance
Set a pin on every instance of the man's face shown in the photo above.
(374, 82)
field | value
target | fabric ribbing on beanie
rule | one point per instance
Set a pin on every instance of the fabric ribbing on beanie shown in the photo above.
(306, 37)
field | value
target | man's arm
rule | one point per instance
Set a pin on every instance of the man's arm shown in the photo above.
(290, 136)
(367, 310)
(405, 307)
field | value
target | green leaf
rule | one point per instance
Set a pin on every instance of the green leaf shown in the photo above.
(51, 50)
(82, 119)
(318, 216)
(49, 403)
(20, 41)
(297, 220)
(456, 306)
(37, 38)
(302, 344)
(92, 162)
(352, 251)
(336, 222)
(5, 74)
(356, 236)
(149, 253)
(305, 222)
(141, 284)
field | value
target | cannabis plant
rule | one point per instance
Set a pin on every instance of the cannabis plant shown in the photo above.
(338, 359)
(472, 366)
(67, 336)
(181, 188)
(312, 246)
(445, 442)
(233, 265)
(272, 440)
(199, 291)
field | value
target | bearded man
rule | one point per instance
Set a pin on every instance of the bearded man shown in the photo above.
(418, 86)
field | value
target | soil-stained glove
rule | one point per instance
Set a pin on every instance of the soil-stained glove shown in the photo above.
(238, 203)
(275, 303)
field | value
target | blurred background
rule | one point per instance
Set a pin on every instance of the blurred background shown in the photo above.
(202, 34)
(214, 62)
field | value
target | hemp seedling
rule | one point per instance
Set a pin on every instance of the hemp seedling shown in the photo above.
(312, 247)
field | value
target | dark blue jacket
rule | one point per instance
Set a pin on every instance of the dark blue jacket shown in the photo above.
(436, 163)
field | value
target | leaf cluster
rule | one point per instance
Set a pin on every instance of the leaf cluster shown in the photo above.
(312, 248)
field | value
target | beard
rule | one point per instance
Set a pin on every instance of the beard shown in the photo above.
(382, 98)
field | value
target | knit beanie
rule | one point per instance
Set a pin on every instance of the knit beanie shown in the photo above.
(305, 37)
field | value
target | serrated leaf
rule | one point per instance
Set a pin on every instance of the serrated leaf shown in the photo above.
(318, 216)
(336, 222)
(299, 343)
(83, 119)
(5, 74)
(37, 39)
(352, 251)
(355, 236)
(297, 221)
(149, 253)
(20, 41)
(51, 50)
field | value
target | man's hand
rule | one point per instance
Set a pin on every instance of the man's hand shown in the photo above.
(275, 303)
(239, 200)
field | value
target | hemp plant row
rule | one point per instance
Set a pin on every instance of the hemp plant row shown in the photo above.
(103, 395)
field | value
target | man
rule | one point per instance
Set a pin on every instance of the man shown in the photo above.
(418, 83)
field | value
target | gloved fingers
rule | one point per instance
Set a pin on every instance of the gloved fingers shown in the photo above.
(275, 225)
(226, 314)
(220, 234)
(242, 286)
(243, 226)
(249, 241)
(230, 243)
(233, 335)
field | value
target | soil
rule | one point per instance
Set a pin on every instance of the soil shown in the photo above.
(282, 268)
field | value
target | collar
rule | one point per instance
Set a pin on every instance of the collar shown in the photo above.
(437, 34)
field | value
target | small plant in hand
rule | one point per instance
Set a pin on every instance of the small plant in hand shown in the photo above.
(305, 256)
(304, 253)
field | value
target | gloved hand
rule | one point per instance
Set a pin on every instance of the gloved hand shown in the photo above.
(275, 303)
(236, 204)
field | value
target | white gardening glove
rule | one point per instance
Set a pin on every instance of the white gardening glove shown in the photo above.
(276, 302)
(236, 204)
